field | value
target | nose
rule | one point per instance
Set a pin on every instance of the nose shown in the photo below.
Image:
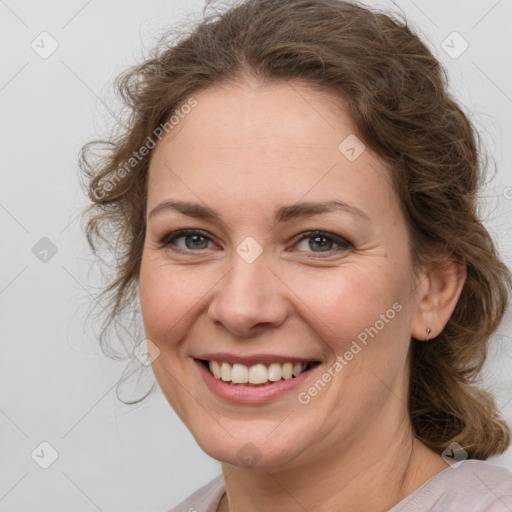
(250, 298)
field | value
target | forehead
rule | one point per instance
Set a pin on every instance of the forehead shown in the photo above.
(280, 142)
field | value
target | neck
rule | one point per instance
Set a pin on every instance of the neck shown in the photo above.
(360, 477)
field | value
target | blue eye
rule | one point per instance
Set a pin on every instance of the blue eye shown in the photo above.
(194, 240)
(323, 241)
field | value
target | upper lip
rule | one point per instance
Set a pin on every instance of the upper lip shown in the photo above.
(250, 360)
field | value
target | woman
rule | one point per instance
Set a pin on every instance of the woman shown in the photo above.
(295, 202)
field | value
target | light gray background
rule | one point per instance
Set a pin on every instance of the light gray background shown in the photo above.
(56, 385)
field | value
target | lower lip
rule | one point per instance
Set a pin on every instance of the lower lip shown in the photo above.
(240, 394)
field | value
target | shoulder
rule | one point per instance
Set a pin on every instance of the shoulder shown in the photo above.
(205, 499)
(474, 486)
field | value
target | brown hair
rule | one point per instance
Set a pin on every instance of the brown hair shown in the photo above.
(396, 93)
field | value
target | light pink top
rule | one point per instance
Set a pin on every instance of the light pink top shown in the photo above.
(474, 486)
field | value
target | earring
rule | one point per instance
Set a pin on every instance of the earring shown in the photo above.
(428, 332)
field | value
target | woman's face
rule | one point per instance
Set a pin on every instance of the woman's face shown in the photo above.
(257, 285)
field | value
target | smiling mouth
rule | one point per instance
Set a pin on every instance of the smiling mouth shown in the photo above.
(258, 374)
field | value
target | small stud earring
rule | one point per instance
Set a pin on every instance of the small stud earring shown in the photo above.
(428, 332)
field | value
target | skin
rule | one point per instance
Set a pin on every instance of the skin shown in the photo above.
(245, 150)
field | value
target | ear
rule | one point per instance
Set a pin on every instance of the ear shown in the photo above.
(440, 287)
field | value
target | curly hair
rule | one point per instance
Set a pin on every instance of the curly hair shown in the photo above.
(397, 95)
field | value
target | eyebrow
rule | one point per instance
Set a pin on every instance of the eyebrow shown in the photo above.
(282, 214)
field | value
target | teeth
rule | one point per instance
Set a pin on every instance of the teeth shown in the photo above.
(225, 372)
(287, 370)
(274, 372)
(297, 369)
(239, 374)
(256, 374)
(215, 369)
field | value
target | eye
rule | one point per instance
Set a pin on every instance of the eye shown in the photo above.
(323, 241)
(317, 242)
(193, 239)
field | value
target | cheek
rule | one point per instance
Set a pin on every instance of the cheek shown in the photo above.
(355, 304)
(171, 296)
(341, 298)
(165, 298)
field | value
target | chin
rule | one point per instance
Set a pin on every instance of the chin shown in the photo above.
(248, 450)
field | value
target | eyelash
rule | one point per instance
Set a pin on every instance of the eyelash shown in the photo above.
(343, 244)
